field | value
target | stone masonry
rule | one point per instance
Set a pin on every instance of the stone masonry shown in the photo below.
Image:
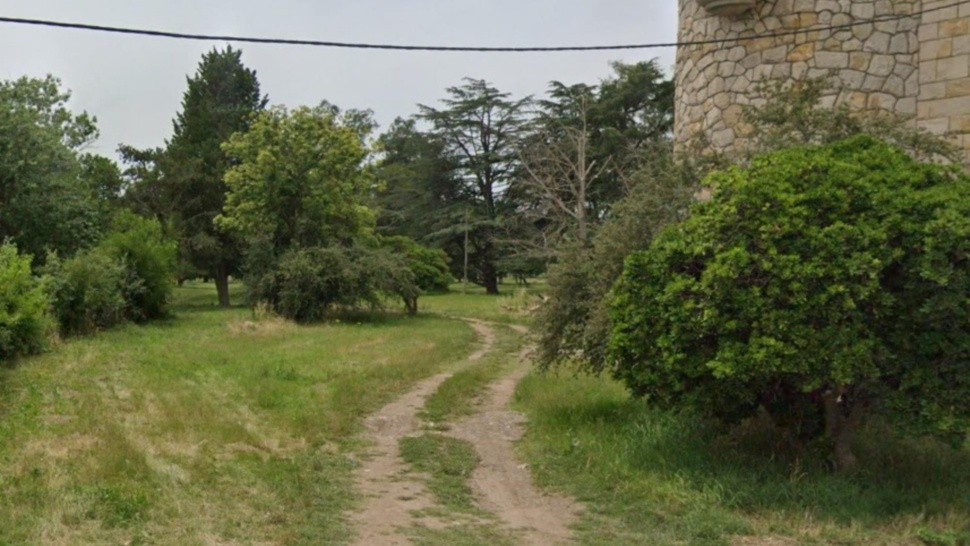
(917, 66)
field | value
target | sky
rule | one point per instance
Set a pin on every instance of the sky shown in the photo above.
(134, 85)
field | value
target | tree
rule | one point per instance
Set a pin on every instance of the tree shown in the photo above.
(624, 116)
(479, 127)
(429, 265)
(584, 144)
(297, 195)
(298, 181)
(573, 324)
(416, 182)
(45, 201)
(419, 194)
(104, 180)
(558, 176)
(599, 181)
(821, 284)
(220, 100)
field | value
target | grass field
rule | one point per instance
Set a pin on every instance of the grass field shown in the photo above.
(211, 427)
(219, 427)
(511, 306)
(650, 477)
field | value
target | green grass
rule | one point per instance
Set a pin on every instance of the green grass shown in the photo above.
(649, 477)
(208, 427)
(511, 306)
(449, 462)
(217, 427)
(466, 534)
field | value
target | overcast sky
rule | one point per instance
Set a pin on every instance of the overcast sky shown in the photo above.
(134, 84)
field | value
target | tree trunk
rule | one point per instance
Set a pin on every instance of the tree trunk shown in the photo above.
(487, 264)
(841, 420)
(222, 284)
(490, 279)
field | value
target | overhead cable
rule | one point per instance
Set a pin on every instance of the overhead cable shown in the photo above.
(469, 49)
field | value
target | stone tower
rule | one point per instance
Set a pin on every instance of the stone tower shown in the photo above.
(917, 64)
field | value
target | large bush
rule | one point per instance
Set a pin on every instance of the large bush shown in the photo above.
(821, 284)
(305, 284)
(429, 265)
(149, 258)
(24, 322)
(87, 291)
(574, 323)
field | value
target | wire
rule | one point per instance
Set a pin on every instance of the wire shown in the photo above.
(472, 49)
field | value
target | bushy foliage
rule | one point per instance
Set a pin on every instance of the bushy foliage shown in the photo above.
(87, 291)
(149, 261)
(429, 265)
(24, 322)
(306, 283)
(574, 323)
(45, 200)
(819, 284)
(297, 180)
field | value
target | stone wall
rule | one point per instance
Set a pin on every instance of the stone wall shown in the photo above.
(918, 65)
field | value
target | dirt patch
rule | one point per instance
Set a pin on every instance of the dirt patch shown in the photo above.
(504, 486)
(393, 496)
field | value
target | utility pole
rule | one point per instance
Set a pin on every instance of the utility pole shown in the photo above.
(464, 280)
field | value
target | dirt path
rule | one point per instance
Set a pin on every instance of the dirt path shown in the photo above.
(391, 494)
(501, 484)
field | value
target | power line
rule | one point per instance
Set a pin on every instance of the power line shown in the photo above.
(471, 49)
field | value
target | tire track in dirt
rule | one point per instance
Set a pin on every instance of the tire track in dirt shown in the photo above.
(383, 478)
(501, 484)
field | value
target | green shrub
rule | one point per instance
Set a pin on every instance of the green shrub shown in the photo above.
(306, 283)
(429, 265)
(820, 284)
(87, 291)
(24, 321)
(149, 258)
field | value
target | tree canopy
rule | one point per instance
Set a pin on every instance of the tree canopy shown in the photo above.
(479, 127)
(298, 180)
(47, 201)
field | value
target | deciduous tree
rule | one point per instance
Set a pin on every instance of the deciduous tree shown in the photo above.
(45, 201)
(298, 181)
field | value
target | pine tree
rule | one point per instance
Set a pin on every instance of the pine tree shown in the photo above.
(220, 100)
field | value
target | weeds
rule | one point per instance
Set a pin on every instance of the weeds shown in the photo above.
(668, 478)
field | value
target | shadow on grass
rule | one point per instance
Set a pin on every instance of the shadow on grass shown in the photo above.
(695, 465)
